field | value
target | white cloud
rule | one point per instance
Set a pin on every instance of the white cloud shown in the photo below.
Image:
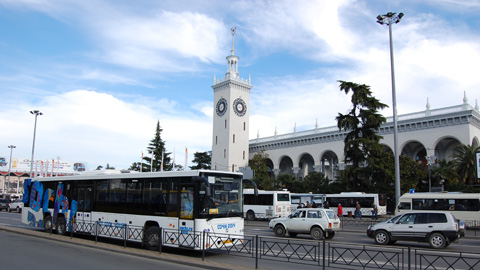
(78, 123)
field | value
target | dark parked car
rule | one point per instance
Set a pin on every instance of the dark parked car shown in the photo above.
(4, 204)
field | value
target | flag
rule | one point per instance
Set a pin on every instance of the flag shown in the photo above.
(186, 157)
(173, 164)
(151, 163)
(161, 163)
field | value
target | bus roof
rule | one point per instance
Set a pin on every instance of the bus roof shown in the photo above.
(127, 175)
(440, 195)
(251, 190)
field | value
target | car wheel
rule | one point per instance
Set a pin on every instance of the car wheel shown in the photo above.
(382, 237)
(292, 234)
(152, 237)
(61, 226)
(18, 210)
(329, 235)
(279, 231)
(47, 223)
(437, 240)
(250, 215)
(316, 233)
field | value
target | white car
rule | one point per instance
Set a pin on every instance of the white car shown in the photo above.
(17, 205)
(317, 222)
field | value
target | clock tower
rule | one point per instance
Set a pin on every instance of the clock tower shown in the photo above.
(230, 117)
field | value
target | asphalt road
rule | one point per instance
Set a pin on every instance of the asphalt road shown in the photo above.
(26, 252)
(351, 235)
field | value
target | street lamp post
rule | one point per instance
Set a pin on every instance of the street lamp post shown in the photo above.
(388, 19)
(9, 166)
(36, 113)
(430, 162)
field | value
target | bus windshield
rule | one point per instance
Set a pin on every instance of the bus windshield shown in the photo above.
(225, 198)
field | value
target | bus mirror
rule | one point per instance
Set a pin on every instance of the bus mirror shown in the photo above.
(251, 182)
(206, 182)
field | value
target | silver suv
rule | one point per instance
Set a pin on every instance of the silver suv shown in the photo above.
(437, 228)
(317, 222)
(17, 206)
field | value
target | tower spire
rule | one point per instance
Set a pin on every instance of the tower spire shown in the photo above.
(233, 30)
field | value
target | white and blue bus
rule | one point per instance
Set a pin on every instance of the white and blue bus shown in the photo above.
(349, 201)
(182, 203)
(300, 199)
(464, 206)
(266, 204)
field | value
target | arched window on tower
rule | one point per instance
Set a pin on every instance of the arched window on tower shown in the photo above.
(224, 153)
(225, 123)
(244, 126)
(243, 155)
(216, 140)
(233, 138)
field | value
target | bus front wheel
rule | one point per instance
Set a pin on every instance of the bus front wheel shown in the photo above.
(152, 238)
(47, 223)
(61, 226)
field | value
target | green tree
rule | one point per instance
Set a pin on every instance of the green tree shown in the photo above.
(157, 149)
(288, 181)
(259, 165)
(135, 166)
(362, 143)
(464, 160)
(444, 170)
(202, 159)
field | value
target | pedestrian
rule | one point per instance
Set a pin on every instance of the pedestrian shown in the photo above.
(327, 205)
(300, 205)
(307, 204)
(358, 211)
(314, 205)
(374, 211)
(340, 210)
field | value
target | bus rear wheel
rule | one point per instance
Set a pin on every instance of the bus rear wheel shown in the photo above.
(152, 238)
(250, 215)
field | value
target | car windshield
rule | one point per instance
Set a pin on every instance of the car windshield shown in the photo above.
(225, 199)
(394, 219)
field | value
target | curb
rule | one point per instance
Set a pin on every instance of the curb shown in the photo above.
(154, 255)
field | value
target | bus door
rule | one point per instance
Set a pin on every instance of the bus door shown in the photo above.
(186, 226)
(84, 215)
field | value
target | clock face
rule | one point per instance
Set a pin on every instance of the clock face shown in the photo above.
(221, 106)
(240, 107)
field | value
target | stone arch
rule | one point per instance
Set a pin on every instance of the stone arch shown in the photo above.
(329, 164)
(270, 167)
(387, 149)
(475, 142)
(415, 150)
(285, 165)
(445, 146)
(306, 165)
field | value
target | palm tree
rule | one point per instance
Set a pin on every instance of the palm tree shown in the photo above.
(464, 159)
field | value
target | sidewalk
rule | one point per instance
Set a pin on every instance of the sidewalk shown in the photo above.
(167, 257)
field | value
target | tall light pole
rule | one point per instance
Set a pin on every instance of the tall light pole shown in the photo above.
(9, 166)
(36, 113)
(430, 162)
(388, 19)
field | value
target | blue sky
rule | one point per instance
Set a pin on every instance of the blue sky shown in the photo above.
(103, 72)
